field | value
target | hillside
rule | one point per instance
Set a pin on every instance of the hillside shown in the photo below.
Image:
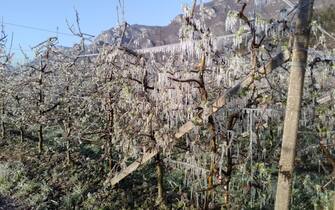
(141, 36)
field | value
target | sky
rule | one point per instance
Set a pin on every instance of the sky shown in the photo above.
(30, 22)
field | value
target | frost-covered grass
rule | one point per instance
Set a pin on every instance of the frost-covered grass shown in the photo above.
(15, 183)
(48, 183)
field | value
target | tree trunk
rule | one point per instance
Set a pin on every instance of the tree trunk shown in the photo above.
(160, 185)
(40, 139)
(213, 164)
(295, 92)
(3, 130)
(109, 153)
(228, 173)
(68, 145)
(110, 134)
(68, 152)
(3, 127)
(67, 130)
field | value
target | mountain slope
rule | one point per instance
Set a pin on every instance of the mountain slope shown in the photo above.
(140, 36)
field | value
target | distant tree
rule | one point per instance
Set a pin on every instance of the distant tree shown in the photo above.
(42, 99)
(5, 59)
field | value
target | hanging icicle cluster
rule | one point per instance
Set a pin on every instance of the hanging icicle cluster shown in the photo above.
(232, 21)
(259, 4)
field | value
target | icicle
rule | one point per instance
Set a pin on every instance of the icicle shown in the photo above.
(264, 153)
(237, 40)
(231, 21)
(260, 3)
(283, 14)
(250, 112)
(319, 166)
(185, 177)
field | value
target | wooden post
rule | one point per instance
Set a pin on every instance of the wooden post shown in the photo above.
(295, 93)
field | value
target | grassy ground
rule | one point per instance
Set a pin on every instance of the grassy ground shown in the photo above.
(30, 181)
(44, 181)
